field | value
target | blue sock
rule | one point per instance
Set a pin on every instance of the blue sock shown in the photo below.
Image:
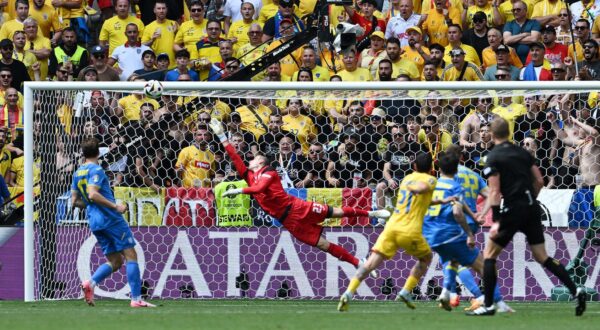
(449, 277)
(135, 282)
(469, 281)
(497, 295)
(101, 273)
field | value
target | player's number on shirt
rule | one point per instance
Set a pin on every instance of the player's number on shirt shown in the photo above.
(404, 200)
(471, 185)
(82, 186)
(434, 210)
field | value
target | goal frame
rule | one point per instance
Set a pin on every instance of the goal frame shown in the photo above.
(31, 87)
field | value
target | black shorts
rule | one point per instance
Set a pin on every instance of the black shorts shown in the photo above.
(524, 218)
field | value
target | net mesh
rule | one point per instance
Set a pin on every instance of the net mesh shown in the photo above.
(339, 147)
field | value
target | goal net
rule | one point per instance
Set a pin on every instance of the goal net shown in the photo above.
(340, 144)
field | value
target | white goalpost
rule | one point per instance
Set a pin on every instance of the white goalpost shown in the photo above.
(190, 251)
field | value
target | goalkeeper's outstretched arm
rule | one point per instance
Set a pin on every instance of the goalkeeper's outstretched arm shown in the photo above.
(217, 129)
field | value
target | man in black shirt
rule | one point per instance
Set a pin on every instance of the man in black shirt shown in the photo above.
(477, 36)
(18, 69)
(514, 182)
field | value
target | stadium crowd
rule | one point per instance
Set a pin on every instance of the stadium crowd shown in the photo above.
(312, 141)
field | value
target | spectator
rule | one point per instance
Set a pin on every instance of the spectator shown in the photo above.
(535, 124)
(232, 65)
(433, 138)
(100, 63)
(546, 11)
(149, 72)
(285, 11)
(507, 108)
(5, 153)
(74, 15)
(268, 143)
(397, 26)
(254, 115)
(288, 164)
(454, 41)
(126, 56)
(234, 126)
(414, 51)
(460, 70)
(489, 53)
(315, 167)
(68, 51)
(10, 27)
(434, 105)
(196, 164)
(483, 115)
(585, 9)
(160, 34)
(18, 69)
(274, 73)
(502, 60)
(385, 70)
(253, 50)
(217, 69)
(208, 49)
(489, 9)
(555, 52)
(182, 58)
(47, 18)
(437, 20)
(366, 20)
(301, 126)
(163, 62)
(357, 125)
(436, 56)
(380, 132)
(112, 33)
(129, 107)
(148, 9)
(589, 68)
(398, 160)
(477, 35)
(27, 58)
(38, 45)
(563, 30)
(11, 114)
(289, 63)
(238, 18)
(351, 70)
(309, 61)
(535, 70)
(191, 31)
(506, 10)
(521, 32)
(65, 72)
(267, 11)
(559, 72)
(476, 156)
(349, 167)
(430, 72)
(413, 124)
(370, 57)
(400, 65)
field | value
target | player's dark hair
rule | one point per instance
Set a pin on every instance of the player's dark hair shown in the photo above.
(393, 40)
(90, 147)
(448, 162)
(499, 128)
(423, 162)
(455, 149)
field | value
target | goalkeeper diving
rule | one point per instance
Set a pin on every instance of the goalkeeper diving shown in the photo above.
(301, 218)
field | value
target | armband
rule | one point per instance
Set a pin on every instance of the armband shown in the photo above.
(496, 213)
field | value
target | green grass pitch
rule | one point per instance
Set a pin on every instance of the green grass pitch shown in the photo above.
(283, 314)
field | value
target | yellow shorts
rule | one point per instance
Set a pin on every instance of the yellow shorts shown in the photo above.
(390, 241)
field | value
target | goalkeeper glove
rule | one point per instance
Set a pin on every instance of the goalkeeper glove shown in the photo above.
(217, 129)
(232, 192)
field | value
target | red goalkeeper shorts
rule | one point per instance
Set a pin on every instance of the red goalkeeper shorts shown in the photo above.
(303, 221)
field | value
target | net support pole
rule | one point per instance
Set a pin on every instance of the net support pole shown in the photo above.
(28, 238)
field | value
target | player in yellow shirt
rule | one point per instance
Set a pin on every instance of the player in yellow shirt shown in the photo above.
(404, 229)
(190, 32)
(112, 33)
(129, 106)
(196, 163)
(160, 34)
(238, 30)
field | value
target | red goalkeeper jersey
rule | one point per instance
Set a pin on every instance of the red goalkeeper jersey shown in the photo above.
(264, 185)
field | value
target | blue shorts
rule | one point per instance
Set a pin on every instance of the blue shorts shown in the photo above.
(115, 238)
(458, 251)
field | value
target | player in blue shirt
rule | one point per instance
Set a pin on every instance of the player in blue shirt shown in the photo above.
(91, 190)
(446, 229)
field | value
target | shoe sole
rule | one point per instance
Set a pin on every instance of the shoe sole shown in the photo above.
(581, 304)
(445, 304)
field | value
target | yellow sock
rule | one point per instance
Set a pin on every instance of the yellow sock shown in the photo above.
(354, 283)
(411, 283)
